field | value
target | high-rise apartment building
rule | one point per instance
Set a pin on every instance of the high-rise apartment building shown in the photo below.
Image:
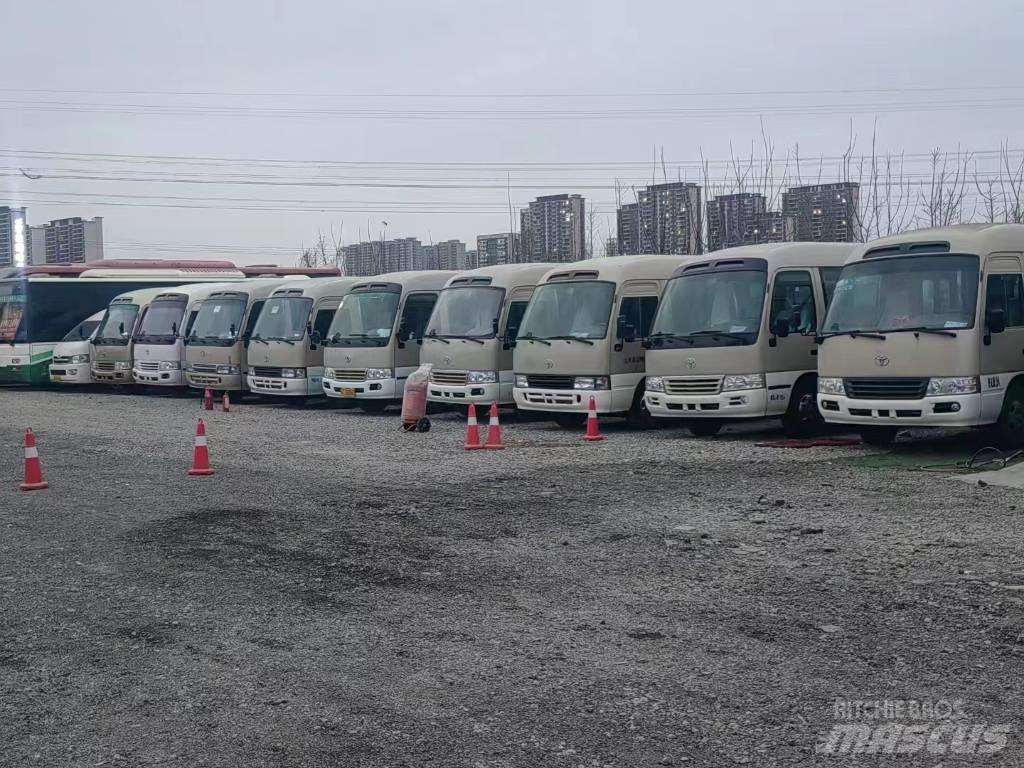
(628, 228)
(15, 239)
(733, 219)
(501, 248)
(824, 212)
(452, 254)
(68, 241)
(670, 219)
(552, 229)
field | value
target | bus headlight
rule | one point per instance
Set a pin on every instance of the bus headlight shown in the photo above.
(79, 359)
(953, 385)
(250, 371)
(328, 373)
(482, 377)
(293, 373)
(590, 382)
(170, 365)
(379, 373)
(831, 385)
(655, 384)
(734, 382)
(227, 370)
(521, 381)
(121, 365)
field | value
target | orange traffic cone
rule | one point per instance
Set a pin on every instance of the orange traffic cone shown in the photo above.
(208, 399)
(225, 403)
(472, 431)
(33, 469)
(200, 455)
(593, 431)
(494, 431)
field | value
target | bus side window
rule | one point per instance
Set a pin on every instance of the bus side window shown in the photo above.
(322, 321)
(829, 279)
(191, 321)
(636, 314)
(793, 294)
(516, 310)
(416, 313)
(1007, 293)
(254, 315)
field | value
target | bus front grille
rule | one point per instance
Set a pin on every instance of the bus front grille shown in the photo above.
(350, 374)
(547, 381)
(886, 389)
(204, 367)
(456, 378)
(104, 365)
(270, 373)
(61, 360)
(147, 365)
(695, 386)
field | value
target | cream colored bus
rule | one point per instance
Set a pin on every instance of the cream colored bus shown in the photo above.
(373, 343)
(217, 346)
(286, 351)
(927, 330)
(734, 336)
(469, 337)
(581, 337)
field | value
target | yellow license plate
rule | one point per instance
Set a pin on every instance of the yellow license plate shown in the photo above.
(348, 392)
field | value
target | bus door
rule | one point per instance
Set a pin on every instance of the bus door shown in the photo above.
(793, 322)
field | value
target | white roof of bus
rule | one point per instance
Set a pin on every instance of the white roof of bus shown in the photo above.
(977, 239)
(258, 288)
(413, 280)
(783, 254)
(506, 275)
(314, 289)
(619, 268)
(142, 296)
(193, 292)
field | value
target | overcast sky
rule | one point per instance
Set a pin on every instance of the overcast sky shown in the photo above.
(241, 83)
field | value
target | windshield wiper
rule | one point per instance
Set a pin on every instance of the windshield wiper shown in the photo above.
(723, 334)
(584, 339)
(923, 329)
(259, 338)
(433, 335)
(464, 337)
(531, 337)
(673, 336)
(855, 335)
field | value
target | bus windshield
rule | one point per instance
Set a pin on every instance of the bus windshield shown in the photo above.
(12, 310)
(364, 319)
(470, 312)
(905, 293)
(82, 331)
(574, 309)
(162, 322)
(712, 309)
(219, 322)
(116, 326)
(284, 318)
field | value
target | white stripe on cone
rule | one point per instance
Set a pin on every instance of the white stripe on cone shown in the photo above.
(201, 441)
(472, 421)
(494, 421)
(31, 453)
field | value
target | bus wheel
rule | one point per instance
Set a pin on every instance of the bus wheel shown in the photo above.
(638, 417)
(802, 418)
(704, 427)
(570, 420)
(373, 406)
(1009, 429)
(880, 437)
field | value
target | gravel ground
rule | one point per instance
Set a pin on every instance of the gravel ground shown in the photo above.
(343, 594)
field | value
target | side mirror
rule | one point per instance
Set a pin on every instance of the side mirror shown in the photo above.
(783, 323)
(996, 320)
(626, 331)
(646, 343)
(494, 326)
(315, 338)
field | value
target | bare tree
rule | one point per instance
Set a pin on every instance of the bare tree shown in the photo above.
(942, 199)
(1012, 186)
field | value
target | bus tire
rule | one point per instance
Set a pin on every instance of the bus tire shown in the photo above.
(880, 437)
(638, 417)
(1009, 428)
(704, 427)
(802, 418)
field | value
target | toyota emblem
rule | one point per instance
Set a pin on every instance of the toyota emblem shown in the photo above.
(447, 361)
(348, 358)
(881, 360)
(549, 363)
(691, 362)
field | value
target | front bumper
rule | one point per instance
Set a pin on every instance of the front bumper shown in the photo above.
(954, 411)
(741, 404)
(368, 389)
(111, 377)
(470, 393)
(68, 373)
(159, 378)
(563, 400)
(231, 383)
(266, 385)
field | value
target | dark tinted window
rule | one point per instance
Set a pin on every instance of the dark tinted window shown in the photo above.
(322, 321)
(516, 310)
(1006, 292)
(829, 278)
(254, 315)
(636, 314)
(794, 294)
(416, 313)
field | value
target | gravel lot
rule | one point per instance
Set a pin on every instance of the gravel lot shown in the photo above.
(343, 594)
